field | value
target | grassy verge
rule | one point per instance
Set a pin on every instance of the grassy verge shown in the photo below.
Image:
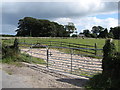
(22, 58)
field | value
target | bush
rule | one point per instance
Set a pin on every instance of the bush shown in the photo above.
(10, 51)
(7, 51)
(98, 82)
(110, 77)
(11, 55)
(109, 48)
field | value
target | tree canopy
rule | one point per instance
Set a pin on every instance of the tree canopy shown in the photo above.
(86, 33)
(70, 27)
(29, 26)
(116, 32)
(100, 32)
(97, 29)
(103, 34)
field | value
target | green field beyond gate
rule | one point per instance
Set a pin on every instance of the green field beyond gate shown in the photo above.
(63, 42)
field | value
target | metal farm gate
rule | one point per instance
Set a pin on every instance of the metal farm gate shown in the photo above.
(64, 59)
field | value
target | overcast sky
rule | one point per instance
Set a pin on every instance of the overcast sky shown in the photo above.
(84, 14)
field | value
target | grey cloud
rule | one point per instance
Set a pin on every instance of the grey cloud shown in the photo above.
(50, 10)
(12, 12)
(42, 10)
(110, 7)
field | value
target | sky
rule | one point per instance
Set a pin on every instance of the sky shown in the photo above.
(83, 13)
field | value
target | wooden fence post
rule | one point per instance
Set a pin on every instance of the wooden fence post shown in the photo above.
(95, 48)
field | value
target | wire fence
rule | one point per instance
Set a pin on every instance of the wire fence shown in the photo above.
(63, 57)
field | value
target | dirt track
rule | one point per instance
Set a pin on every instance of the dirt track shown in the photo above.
(25, 77)
(62, 61)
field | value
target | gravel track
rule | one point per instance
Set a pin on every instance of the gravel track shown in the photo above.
(62, 62)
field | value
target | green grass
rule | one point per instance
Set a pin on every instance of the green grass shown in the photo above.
(87, 41)
(31, 59)
(100, 42)
(22, 58)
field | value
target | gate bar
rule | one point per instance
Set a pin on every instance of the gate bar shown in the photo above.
(71, 59)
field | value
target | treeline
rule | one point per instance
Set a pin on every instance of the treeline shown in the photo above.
(29, 26)
(33, 27)
(100, 32)
(6, 35)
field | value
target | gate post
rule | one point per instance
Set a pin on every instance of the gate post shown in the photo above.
(31, 54)
(47, 56)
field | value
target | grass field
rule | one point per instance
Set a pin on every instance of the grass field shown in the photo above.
(87, 41)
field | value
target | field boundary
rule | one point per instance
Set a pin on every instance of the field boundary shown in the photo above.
(88, 49)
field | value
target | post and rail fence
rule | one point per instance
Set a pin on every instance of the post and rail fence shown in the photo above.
(88, 49)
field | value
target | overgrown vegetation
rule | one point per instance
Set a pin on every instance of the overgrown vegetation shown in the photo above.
(9, 51)
(110, 77)
(11, 55)
(6, 35)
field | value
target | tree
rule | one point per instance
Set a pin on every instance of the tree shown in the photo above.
(97, 29)
(116, 32)
(70, 27)
(110, 35)
(74, 35)
(103, 34)
(29, 26)
(93, 35)
(86, 33)
(26, 26)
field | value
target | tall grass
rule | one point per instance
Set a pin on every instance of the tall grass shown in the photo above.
(10, 55)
